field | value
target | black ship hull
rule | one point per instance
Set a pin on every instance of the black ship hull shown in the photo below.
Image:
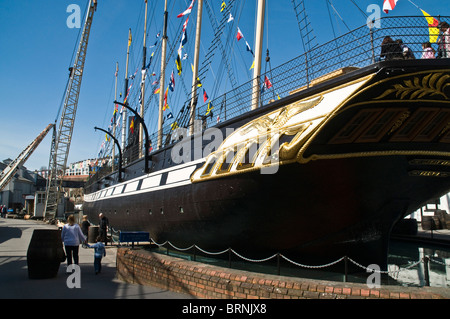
(345, 173)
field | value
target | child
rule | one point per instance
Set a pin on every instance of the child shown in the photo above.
(428, 51)
(99, 252)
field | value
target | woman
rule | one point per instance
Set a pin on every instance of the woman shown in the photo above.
(72, 237)
(444, 40)
(390, 50)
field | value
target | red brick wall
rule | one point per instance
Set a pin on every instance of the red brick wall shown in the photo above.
(207, 281)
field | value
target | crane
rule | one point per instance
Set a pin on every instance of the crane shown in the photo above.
(12, 168)
(62, 138)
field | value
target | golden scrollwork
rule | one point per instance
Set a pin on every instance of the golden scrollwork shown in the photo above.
(429, 85)
(253, 145)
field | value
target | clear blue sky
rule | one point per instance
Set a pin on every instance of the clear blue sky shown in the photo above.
(36, 48)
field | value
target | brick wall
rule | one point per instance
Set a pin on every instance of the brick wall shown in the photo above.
(207, 281)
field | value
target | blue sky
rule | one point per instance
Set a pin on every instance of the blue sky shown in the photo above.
(37, 47)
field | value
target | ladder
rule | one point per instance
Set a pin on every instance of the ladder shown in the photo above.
(309, 40)
(11, 169)
(59, 151)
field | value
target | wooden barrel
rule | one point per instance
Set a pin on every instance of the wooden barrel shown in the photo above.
(441, 214)
(93, 234)
(427, 222)
(436, 222)
(447, 221)
(45, 253)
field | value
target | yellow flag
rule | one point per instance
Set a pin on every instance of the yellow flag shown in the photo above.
(130, 38)
(433, 26)
(210, 107)
(253, 65)
(222, 7)
(199, 83)
(174, 125)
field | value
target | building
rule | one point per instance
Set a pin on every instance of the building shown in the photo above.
(27, 189)
(20, 192)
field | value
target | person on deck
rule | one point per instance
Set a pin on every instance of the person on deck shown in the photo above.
(391, 50)
(444, 40)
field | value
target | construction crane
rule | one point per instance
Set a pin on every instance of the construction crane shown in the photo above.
(11, 169)
(62, 138)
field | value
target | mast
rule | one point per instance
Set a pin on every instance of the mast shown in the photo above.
(143, 73)
(195, 71)
(163, 78)
(258, 54)
(124, 110)
(115, 110)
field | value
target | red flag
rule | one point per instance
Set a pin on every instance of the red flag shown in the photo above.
(166, 106)
(132, 125)
(389, 5)
(267, 83)
(239, 34)
(205, 96)
(187, 11)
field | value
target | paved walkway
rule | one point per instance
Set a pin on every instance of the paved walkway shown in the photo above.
(15, 236)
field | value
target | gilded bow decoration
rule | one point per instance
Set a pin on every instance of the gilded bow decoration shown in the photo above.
(432, 84)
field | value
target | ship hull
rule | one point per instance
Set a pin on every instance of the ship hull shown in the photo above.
(359, 157)
(344, 210)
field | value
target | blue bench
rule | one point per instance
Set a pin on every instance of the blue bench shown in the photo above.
(133, 237)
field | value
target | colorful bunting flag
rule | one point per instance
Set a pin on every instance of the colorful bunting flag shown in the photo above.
(150, 60)
(199, 83)
(223, 6)
(239, 34)
(389, 5)
(172, 82)
(249, 48)
(183, 42)
(130, 38)
(178, 63)
(166, 105)
(174, 125)
(132, 125)
(433, 27)
(209, 109)
(267, 83)
(187, 11)
(205, 96)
